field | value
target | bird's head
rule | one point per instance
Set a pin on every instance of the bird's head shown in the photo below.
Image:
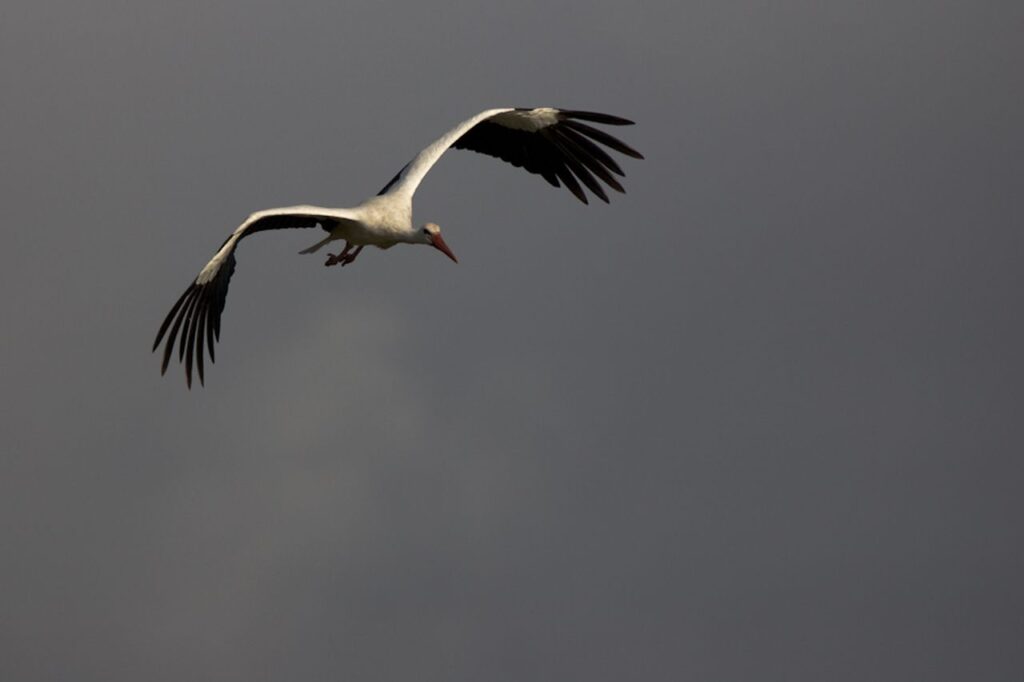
(430, 233)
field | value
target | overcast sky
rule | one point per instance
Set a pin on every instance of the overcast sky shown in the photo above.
(760, 418)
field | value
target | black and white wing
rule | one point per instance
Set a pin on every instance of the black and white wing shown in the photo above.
(194, 321)
(558, 144)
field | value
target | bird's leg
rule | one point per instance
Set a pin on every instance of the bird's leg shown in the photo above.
(351, 257)
(344, 258)
(341, 257)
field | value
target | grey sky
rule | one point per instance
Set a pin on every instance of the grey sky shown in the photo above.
(759, 418)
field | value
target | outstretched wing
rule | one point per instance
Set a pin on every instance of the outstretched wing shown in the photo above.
(554, 143)
(194, 321)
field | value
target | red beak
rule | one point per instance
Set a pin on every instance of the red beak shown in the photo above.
(438, 243)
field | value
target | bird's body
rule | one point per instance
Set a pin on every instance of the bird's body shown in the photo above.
(553, 143)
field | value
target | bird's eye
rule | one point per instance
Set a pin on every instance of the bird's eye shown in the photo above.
(426, 231)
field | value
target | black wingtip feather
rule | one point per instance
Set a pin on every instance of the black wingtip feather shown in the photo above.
(209, 332)
(569, 180)
(191, 335)
(170, 316)
(591, 149)
(604, 138)
(187, 313)
(201, 338)
(577, 167)
(179, 316)
(592, 164)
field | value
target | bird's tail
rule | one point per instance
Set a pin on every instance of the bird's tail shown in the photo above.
(316, 247)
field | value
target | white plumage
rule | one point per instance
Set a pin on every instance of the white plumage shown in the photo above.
(554, 143)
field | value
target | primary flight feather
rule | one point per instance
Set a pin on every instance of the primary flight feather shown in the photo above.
(558, 144)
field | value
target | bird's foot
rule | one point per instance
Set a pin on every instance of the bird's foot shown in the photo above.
(342, 259)
(345, 257)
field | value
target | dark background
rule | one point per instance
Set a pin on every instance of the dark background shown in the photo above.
(760, 418)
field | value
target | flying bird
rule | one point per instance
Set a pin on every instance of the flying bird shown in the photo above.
(557, 144)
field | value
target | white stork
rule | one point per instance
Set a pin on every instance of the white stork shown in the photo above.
(554, 143)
